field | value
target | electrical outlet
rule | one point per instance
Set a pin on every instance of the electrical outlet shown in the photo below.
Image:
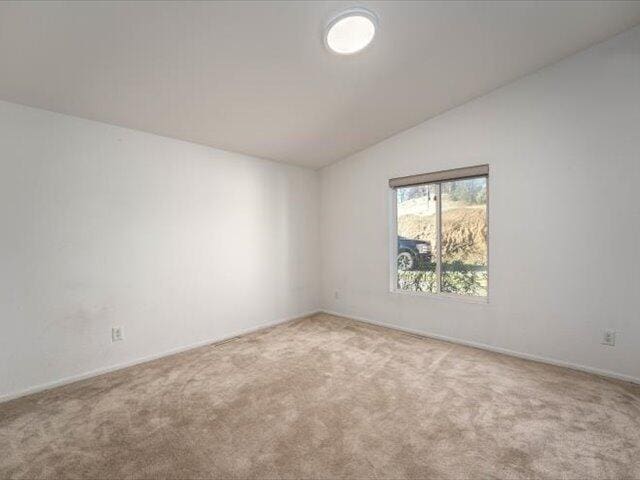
(609, 338)
(116, 334)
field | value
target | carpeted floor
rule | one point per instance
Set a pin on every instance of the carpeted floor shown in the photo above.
(327, 397)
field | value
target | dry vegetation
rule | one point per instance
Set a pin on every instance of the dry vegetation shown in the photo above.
(464, 233)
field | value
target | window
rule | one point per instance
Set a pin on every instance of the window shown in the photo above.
(440, 233)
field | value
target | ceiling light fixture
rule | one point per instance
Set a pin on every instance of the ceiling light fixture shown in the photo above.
(351, 31)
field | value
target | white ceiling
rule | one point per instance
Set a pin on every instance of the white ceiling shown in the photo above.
(254, 77)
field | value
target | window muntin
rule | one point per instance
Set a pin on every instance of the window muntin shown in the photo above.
(441, 238)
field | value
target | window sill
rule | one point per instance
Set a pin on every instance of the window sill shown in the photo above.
(444, 297)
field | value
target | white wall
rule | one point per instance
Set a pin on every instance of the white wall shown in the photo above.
(564, 152)
(178, 243)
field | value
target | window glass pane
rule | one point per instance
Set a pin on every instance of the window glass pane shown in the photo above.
(464, 237)
(416, 218)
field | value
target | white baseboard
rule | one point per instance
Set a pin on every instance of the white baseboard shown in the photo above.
(491, 348)
(513, 353)
(148, 358)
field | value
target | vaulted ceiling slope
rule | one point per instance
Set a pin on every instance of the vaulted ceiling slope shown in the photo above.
(255, 78)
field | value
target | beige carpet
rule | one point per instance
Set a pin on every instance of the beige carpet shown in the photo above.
(327, 397)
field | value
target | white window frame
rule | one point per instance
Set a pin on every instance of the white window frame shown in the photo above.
(393, 243)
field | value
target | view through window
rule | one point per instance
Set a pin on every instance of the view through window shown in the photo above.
(442, 237)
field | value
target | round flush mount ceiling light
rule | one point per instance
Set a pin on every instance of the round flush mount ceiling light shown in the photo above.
(350, 31)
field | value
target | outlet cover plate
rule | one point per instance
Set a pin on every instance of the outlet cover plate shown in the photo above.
(116, 334)
(609, 338)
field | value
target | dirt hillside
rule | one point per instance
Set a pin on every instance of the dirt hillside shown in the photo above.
(463, 233)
